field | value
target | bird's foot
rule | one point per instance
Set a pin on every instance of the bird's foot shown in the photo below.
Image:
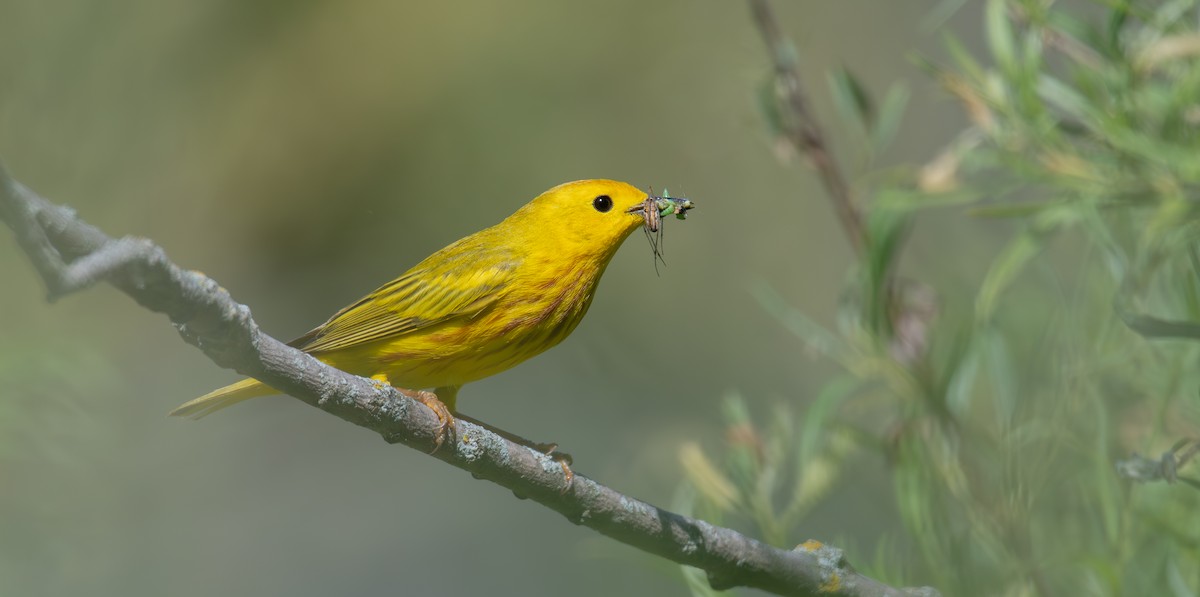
(563, 459)
(445, 419)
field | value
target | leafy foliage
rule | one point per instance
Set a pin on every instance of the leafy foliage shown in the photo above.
(1001, 422)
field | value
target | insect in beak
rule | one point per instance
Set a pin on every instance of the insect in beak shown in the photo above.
(652, 210)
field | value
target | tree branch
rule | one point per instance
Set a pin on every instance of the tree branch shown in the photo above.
(801, 128)
(71, 254)
(1139, 469)
(910, 306)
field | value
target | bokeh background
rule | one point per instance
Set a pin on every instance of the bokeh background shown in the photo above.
(302, 153)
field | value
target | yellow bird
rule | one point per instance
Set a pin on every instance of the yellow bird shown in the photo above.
(482, 304)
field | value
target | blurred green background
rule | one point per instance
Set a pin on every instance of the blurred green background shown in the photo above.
(301, 153)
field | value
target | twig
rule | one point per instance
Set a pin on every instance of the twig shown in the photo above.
(69, 254)
(1139, 469)
(910, 307)
(801, 127)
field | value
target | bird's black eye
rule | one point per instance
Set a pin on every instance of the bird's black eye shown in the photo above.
(602, 203)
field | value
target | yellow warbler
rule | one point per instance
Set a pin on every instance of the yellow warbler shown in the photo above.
(482, 304)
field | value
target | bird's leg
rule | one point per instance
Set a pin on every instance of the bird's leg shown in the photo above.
(551, 449)
(430, 399)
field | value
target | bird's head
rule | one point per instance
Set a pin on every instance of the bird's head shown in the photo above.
(593, 217)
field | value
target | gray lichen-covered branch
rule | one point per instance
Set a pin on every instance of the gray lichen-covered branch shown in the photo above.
(70, 255)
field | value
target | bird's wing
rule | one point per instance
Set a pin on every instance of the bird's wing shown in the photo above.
(449, 284)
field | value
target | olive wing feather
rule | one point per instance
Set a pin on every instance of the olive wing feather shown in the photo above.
(455, 282)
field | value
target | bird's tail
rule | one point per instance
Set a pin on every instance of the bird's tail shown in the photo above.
(227, 396)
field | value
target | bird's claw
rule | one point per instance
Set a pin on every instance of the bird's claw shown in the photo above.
(445, 419)
(563, 459)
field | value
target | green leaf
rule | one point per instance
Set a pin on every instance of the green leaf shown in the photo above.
(741, 458)
(1000, 37)
(963, 58)
(1116, 23)
(1011, 209)
(815, 336)
(735, 410)
(960, 391)
(1064, 97)
(891, 114)
(1024, 82)
(886, 228)
(820, 413)
(851, 97)
(936, 18)
(706, 478)
(1002, 374)
(1075, 30)
(1010, 263)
